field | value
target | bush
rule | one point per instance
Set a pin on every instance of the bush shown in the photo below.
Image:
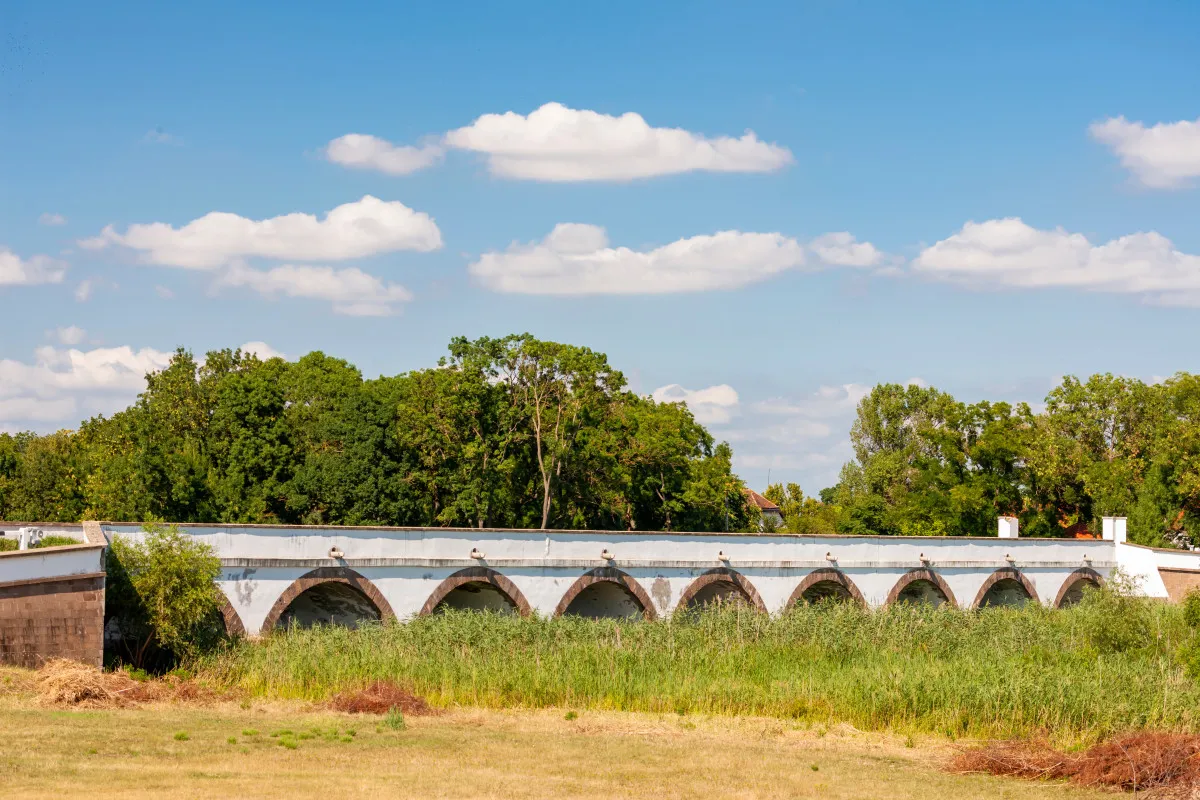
(162, 595)
(1191, 609)
(7, 543)
(55, 541)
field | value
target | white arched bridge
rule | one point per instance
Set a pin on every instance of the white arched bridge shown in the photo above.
(276, 576)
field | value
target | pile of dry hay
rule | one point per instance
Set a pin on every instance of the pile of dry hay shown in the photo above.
(1166, 762)
(380, 698)
(62, 682)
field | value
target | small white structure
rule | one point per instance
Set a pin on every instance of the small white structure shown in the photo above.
(1010, 527)
(1113, 529)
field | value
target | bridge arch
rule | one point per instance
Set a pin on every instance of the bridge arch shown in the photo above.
(606, 592)
(1006, 586)
(1072, 588)
(716, 585)
(826, 583)
(332, 595)
(491, 590)
(921, 586)
(234, 628)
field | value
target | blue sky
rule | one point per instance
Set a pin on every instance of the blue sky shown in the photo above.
(897, 124)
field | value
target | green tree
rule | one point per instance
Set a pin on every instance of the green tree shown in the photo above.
(161, 593)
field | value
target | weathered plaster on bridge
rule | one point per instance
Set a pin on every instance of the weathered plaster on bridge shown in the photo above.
(274, 574)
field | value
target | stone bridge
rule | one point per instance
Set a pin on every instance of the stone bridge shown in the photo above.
(279, 575)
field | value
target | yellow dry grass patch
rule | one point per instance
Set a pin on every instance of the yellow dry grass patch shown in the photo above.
(182, 750)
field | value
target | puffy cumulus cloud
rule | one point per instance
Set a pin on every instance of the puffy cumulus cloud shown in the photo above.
(714, 405)
(17, 271)
(361, 151)
(575, 259)
(52, 219)
(557, 143)
(262, 351)
(1007, 252)
(843, 250)
(1162, 156)
(60, 387)
(365, 227)
(351, 291)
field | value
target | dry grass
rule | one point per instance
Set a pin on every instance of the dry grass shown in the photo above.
(177, 749)
(1167, 762)
(60, 682)
(380, 698)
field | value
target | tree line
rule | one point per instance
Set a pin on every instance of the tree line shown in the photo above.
(506, 432)
(523, 433)
(927, 464)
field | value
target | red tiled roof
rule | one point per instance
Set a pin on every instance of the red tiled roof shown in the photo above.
(763, 503)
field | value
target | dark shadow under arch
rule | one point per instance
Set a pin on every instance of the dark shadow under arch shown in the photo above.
(826, 575)
(316, 577)
(922, 574)
(722, 575)
(608, 575)
(1081, 575)
(1000, 575)
(478, 575)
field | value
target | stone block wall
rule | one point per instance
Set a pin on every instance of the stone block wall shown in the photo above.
(54, 617)
(1179, 582)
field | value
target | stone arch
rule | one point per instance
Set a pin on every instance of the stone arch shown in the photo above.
(1004, 578)
(916, 576)
(328, 575)
(710, 583)
(608, 575)
(483, 577)
(830, 578)
(234, 628)
(1067, 594)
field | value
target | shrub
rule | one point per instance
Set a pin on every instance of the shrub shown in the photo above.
(1191, 609)
(55, 541)
(394, 719)
(7, 543)
(161, 593)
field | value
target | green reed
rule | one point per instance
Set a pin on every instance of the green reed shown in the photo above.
(1110, 664)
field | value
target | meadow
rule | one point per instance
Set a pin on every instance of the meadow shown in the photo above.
(1075, 676)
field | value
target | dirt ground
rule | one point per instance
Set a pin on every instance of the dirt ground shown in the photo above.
(227, 749)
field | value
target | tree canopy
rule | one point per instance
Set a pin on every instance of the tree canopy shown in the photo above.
(511, 432)
(517, 432)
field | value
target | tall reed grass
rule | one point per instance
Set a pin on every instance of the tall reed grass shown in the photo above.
(1110, 664)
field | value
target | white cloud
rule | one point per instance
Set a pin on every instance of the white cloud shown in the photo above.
(360, 151)
(52, 219)
(1007, 252)
(1163, 156)
(164, 292)
(83, 291)
(714, 405)
(843, 250)
(262, 350)
(557, 143)
(575, 259)
(71, 335)
(61, 387)
(351, 291)
(17, 271)
(366, 227)
(64, 386)
(826, 401)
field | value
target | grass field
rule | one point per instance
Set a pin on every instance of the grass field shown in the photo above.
(225, 750)
(1112, 664)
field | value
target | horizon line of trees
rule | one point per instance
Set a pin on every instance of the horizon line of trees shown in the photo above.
(523, 433)
(509, 432)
